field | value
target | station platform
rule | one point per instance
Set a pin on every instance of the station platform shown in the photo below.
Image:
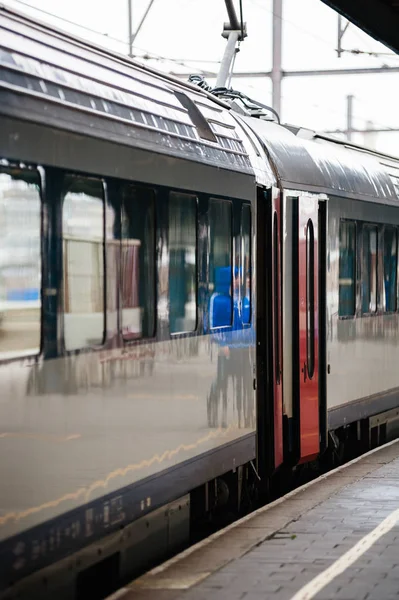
(334, 538)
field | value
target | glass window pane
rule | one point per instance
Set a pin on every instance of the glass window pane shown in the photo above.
(182, 262)
(138, 262)
(113, 244)
(347, 269)
(246, 263)
(20, 262)
(310, 312)
(220, 263)
(369, 279)
(83, 241)
(390, 268)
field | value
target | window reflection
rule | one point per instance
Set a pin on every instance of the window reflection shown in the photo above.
(182, 262)
(369, 302)
(220, 263)
(20, 262)
(83, 241)
(112, 241)
(138, 262)
(347, 269)
(246, 263)
(390, 268)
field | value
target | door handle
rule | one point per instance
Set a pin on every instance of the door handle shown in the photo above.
(304, 371)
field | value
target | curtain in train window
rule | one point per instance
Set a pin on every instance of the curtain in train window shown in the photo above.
(20, 262)
(83, 245)
(138, 262)
(369, 275)
(246, 263)
(347, 269)
(390, 267)
(182, 262)
(220, 263)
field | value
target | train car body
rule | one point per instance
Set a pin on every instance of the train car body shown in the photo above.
(348, 321)
(109, 382)
(187, 296)
(354, 195)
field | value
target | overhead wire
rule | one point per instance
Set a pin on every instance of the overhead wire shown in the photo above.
(364, 38)
(317, 37)
(65, 20)
(148, 55)
(295, 25)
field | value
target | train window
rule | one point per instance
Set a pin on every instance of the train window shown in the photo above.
(182, 262)
(369, 276)
(390, 267)
(112, 261)
(276, 297)
(83, 243)
(20, 265)
(138, 262)
(220, 263)
(310, 307)
(246, 263)
(347, 269)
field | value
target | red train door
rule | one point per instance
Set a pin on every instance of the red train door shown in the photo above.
(308, 325)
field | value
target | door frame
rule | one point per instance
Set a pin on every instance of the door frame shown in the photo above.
(301, 453)
(268, 332)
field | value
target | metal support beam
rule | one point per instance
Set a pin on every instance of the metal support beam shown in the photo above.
(142, 21)
(227, 59)
(130, 27)
(132, 36)
(234, 33)
(360, 71)
(263, 74)
(235, 25)
(367, 130)
(277, 73)
(341, 32)
(349, 117)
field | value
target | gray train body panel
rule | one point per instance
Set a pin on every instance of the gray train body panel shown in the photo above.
(118, 429)
(357, 184)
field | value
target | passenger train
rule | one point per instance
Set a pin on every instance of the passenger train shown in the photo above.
(194, 301)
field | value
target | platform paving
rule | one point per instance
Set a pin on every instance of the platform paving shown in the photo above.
(325, 527)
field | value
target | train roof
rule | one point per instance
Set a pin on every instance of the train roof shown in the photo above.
(304, 160)
(52, 78)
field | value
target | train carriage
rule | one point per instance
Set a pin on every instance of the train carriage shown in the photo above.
(192, 300)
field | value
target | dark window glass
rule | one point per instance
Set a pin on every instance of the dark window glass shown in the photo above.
(310, 308)
(83, 242)
(138, 262)
(347, 269)
(390, 267)
(220, 263)
(20, 262)
(276, 298)
(182, 262)
(112, 268)
(246, 263)
(369, 276)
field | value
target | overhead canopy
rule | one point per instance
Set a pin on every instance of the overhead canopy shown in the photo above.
(378, 18)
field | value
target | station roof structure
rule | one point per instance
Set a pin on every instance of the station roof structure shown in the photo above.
(378, 18)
